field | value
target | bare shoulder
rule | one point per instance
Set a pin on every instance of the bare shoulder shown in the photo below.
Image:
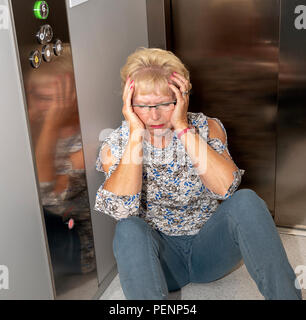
(216, 130)
(107, 158)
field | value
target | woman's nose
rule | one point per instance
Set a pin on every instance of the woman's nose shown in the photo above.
(155, 114)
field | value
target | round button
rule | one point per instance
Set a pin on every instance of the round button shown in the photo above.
(35, 59)
(70, 224)
(41, 10)
(48, 33)
(58, 47)
(45, 34)
(47, 53)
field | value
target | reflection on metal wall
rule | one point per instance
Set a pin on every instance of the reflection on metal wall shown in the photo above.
(231, 49)
(290, 205)
(46, 62)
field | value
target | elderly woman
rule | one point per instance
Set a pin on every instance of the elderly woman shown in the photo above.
(171, 184)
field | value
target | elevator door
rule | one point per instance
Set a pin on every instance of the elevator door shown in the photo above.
(231, 50)
(290, 204)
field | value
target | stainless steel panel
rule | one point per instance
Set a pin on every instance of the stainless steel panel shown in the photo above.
(114, 29)
(231, 50)
(290, 204)
(22, 239)
(52, 110)
(156, 20)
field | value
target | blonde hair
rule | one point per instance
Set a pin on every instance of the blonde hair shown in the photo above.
(151, 69)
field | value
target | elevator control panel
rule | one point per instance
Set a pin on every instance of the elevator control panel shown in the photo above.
(44, 36)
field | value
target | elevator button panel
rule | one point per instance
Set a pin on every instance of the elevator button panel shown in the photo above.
(41, 10)
(44, 37)
(35, 59)
(58, 47)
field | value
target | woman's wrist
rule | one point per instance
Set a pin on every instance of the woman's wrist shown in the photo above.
(136, 135)
(181, 126)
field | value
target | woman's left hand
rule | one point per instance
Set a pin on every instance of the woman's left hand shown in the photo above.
(179, 115)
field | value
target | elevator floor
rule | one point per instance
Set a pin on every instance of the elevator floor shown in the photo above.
(238, 285)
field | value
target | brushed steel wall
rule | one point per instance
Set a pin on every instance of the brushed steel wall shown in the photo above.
(23, 246)
(231, 50)
(103, 34)
(290, 204)
(247, 63)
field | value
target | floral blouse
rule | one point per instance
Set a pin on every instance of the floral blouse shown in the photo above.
(173, 198)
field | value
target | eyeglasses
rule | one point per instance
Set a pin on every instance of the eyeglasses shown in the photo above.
(165, 106)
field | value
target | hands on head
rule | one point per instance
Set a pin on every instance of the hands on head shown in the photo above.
(171, 116)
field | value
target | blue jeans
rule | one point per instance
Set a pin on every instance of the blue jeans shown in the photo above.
(151, 264)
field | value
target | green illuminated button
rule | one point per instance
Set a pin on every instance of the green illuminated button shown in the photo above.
(41, 10)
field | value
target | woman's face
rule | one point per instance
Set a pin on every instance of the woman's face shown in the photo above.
(154, 116)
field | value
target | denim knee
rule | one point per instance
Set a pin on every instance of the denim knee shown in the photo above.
(128, 232)
(245, 193)
(246, 201)
(247, 196)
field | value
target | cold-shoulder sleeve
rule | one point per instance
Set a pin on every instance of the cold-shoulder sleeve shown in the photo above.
(117, 206)
(222, 148)
(99, 167)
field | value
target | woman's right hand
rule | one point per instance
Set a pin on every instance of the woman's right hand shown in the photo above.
(63, 104)
(130, 116)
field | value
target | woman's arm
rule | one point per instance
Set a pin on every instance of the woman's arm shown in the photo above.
(44, 153)
(60, 108)
(218, 173)
(215, 170)
(127, 178)
(119, 196)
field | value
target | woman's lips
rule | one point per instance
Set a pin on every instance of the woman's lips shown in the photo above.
(160, 126)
